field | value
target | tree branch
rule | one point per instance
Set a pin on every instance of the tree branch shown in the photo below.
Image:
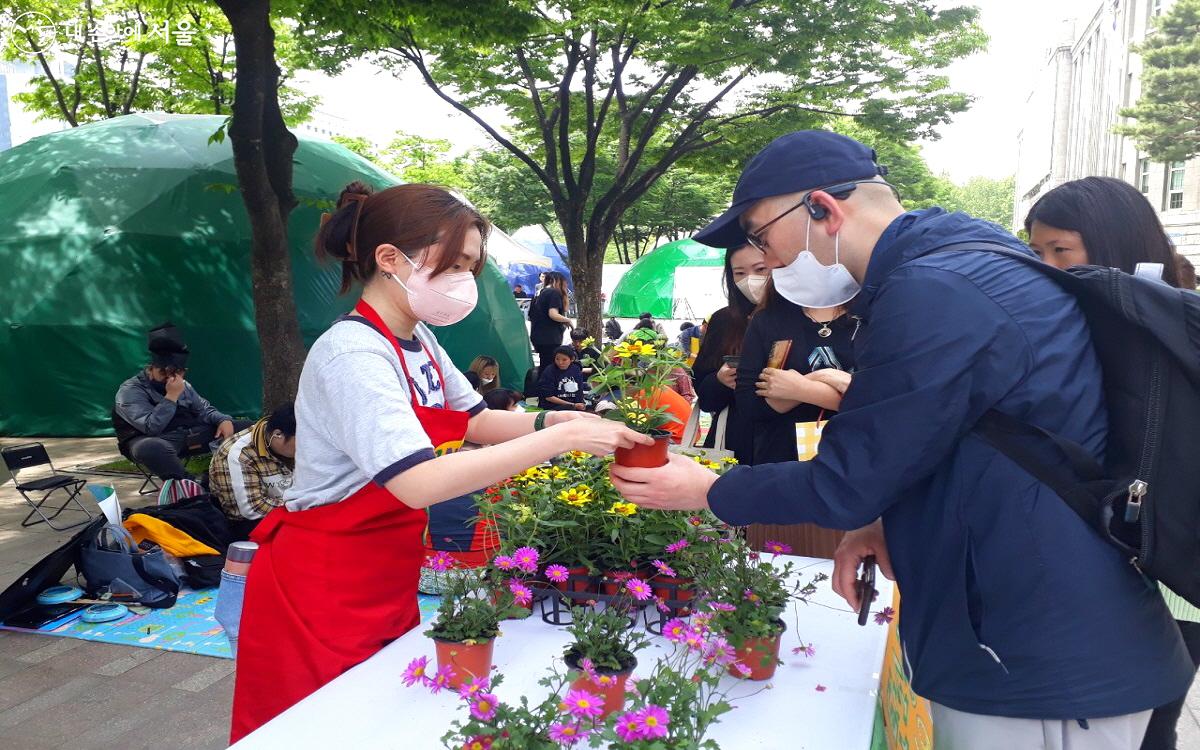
(413, 55)
(100, 74)
(564, 116)
(68, 114)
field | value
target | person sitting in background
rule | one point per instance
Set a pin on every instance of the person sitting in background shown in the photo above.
(562, 385)
(473, 380)
(612, 329)
(646, 320)
(519, 292)
(159, 416)
(585, 348)
(251, 470)
(488, 370)
(502, 399)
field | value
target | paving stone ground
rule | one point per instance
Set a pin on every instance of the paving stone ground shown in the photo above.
(65, 693)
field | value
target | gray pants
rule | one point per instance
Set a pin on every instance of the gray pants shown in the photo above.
(956, 730)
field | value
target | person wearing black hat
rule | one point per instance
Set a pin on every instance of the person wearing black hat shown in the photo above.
(1020, 624)
(159, 416)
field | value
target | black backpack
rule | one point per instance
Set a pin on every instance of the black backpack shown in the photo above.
(1145, 499)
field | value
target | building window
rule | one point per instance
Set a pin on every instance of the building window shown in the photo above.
(1143, 182)
(1155, 7)
(1175, 185)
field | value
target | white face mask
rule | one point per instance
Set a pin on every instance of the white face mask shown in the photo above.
(808, 283)
(486, 381)
(752, 287)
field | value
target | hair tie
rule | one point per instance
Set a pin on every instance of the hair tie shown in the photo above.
(352, 243)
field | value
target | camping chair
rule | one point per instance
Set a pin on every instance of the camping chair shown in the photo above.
(19, 458)
(150, 485)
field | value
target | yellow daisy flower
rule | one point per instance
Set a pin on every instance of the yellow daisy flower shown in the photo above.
(558, 473)
(729, 460)
(623, 509)
(578, 496)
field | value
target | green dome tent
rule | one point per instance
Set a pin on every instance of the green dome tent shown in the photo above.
(116, 226)
(679, 280)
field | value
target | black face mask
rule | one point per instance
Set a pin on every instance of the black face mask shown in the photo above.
(159, 387)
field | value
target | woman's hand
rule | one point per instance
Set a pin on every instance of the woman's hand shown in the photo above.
(727, 376)
(836, 379)
(600, 437)
(559, 417)
(682, 484)
(785, 385)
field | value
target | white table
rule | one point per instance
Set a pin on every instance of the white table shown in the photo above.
(369, 707)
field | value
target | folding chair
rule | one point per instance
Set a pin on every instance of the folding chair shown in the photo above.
(18, 458)
(150, 485)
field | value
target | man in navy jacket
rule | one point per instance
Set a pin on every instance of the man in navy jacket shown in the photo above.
(1020, 624)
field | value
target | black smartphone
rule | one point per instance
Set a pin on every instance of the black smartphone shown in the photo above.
(866, 589)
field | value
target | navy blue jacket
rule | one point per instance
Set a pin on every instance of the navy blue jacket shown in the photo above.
(1012, 605)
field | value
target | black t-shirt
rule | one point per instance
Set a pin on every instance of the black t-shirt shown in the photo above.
(775, 433)
(541, 327)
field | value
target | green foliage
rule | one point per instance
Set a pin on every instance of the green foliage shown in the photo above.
(1168, 112)
(472, 609)
(605, 637)
(138, 63)
(984, 198)
(632, 373)
(651, 86)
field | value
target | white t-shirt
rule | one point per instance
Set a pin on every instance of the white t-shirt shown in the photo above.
(354, 417)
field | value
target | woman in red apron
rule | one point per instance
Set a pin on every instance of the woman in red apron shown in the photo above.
(380, 414)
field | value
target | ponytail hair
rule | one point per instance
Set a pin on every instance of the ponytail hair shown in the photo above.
(410, 217)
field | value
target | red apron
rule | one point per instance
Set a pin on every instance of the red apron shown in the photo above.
(331, 586)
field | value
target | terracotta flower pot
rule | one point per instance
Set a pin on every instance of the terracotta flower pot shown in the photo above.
(676, 588)
(645, 456)
(613, 691)
(761, 655)
(467, 660)
(577, 582)
(613, 582)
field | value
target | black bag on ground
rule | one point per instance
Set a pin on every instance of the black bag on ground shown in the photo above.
(109, 559)
(203, 571)
(199, 517)
(1145, 499)
(47, 572)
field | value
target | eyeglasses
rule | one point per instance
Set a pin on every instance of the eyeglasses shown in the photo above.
(841, 191)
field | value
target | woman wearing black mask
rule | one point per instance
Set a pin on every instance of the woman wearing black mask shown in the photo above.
(715, 369)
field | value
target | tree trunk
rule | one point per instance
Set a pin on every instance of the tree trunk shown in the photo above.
(262, 155)
(587, 272)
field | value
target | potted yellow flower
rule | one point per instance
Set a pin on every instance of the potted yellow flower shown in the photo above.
(632, 374)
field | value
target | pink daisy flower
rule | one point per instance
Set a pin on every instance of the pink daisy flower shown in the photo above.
(808, 650)
(504, 562)
(663, 568)
(638, 589)
(476, 685)
(777, 548)
(566, 734)
(750, 596)
(416, 671)
(583, 705)
(674, 547)
(522, 595)
(558, 573)
(653, 720)
(526, 558)
(695, 520)
(661, 604)
(675, 630)
(722, 606)
(719, 651)
(629, 728)
(479, 742)
(741, 669)
(440, 562)
(441, 679)
(483, 706)
(885, 615)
